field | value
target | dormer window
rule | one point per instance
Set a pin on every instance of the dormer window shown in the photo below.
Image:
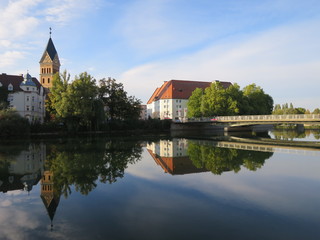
(10, 87)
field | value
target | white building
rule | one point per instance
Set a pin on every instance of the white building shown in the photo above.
(25, 95)
(171, 99)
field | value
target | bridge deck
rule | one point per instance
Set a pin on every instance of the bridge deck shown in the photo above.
(271, 118)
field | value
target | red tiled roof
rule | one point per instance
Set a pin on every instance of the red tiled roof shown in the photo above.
(16, 81)
(180, 89)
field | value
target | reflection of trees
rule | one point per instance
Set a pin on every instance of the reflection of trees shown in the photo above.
(292, 134)
(288, 134)
(219, 160)
(82, 163)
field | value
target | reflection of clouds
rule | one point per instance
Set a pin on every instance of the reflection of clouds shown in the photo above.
(5, 203)
(15, 222)
(19, 214)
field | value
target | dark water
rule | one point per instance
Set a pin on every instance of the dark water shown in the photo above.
(168, 188)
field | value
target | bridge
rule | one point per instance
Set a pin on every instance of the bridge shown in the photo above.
(228, 123)
(265, 145)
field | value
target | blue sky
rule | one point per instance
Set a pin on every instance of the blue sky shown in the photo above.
(143, 43)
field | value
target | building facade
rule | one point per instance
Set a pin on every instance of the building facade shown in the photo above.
(26, 95)
(170, 100)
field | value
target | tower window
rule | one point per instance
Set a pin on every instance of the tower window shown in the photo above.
(48, 80)
(42, 80)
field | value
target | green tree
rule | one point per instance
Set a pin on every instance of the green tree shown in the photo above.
(194, 103)
(217, 101)
(12, 124)
(56, 103)
(316, 111)
(259, 103)
(81, 94)
(120, 106)
(75, 103)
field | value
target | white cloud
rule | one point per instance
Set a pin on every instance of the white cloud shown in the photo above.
(63, 11)
(283, 61)
(10, 57)
(16, 19)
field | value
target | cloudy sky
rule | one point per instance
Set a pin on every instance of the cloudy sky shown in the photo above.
(142, 43)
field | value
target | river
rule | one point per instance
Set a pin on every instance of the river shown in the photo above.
(161, 187)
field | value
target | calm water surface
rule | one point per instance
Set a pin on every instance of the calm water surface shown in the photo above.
(164, 188)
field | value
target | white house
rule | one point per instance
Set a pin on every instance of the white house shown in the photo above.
(170, 100)
(25, 95)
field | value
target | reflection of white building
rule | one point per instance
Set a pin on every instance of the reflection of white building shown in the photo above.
(172, 156)
(169, 148)
(170, 100)
(25, 169)
(25, 95)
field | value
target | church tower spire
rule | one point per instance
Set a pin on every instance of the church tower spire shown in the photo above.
(49, 64)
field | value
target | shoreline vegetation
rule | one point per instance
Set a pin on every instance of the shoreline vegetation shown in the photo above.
(82, 106)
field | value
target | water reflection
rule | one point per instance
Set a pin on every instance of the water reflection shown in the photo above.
(172, 156)
(181, 156)
(64, 165)
(293, 134)
(21, 166)
(280, 197)
(83, 163)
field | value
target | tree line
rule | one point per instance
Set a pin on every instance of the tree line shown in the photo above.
(289, 109)
(219, 101)
(82, 103)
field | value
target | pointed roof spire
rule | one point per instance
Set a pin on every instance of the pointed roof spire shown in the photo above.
(50, 49)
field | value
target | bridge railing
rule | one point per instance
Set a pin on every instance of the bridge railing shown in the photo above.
(291, 117)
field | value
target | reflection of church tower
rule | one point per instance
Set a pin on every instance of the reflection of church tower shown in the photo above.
(49, 195)
(49, 64)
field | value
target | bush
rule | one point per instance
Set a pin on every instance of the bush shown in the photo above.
(12, 124)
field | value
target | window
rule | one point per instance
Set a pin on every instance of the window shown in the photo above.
(27, 88)
(48, 80)
(33, 99)
(10, 87)
(27, 98)
(28, 108)
(32, 109)
(42, 80)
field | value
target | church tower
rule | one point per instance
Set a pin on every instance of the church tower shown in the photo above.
(49, 64)
(49, 195)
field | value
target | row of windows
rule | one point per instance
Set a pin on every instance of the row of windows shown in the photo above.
(32, 108)
(28, 98)
(47, 188)
(43, 80)
(177, 101)
(44, 177)
(46, 70)
(177, 106)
